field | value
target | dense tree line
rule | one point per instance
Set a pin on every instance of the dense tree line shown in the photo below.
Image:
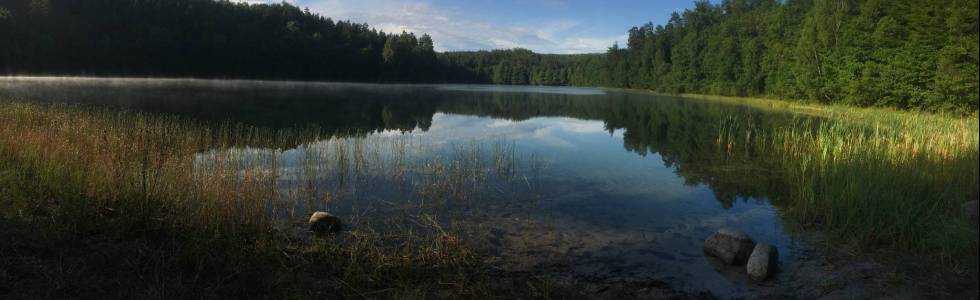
(906, 54)
(519, 67)
(202, 38)
(913, 54)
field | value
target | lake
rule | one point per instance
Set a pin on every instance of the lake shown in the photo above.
(580, 185)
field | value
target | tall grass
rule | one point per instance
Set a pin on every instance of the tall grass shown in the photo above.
(131, 160)
(212, 204)
(393, 169)
(884, 178)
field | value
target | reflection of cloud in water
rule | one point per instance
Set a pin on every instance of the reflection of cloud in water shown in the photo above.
(600, 210)
(580, 150)
(548, 131)
(523, 89)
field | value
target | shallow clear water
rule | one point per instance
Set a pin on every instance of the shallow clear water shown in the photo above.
(600, 185)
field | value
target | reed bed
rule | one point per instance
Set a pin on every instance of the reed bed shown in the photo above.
(205, 204)
(882, 178)
(340, 172)
(137, 162)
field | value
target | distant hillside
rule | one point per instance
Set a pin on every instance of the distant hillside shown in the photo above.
(521, 67)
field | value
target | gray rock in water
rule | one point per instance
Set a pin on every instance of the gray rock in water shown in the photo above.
(324, 223)
(763, 262)
(732, 246)
(970, 210)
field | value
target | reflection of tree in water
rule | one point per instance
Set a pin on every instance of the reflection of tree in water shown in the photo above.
(682, 132)
(334, 109)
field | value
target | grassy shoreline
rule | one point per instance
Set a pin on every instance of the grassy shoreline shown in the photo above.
(878, 176)
(872, 176)
(106, 200)
(107, 204)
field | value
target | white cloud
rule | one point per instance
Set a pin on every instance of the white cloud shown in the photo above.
(263, 1)
(453, 29)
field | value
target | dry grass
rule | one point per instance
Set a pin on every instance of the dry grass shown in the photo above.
(165, 207)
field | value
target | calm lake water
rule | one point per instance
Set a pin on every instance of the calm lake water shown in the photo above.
(577, 184)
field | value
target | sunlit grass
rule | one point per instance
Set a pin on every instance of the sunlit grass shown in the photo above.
(880, 177)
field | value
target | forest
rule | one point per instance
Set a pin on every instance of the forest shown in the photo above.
(202, 38)
(917, 54)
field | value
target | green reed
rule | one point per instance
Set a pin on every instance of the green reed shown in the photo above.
(209, 201)
(883, 178)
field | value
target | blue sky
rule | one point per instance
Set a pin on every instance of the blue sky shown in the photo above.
(547, 26)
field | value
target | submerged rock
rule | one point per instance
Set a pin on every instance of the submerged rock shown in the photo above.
(970, 210)
(763, 262)
(732, 246)
(324, 223)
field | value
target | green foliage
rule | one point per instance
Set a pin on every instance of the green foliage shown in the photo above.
(919, 55)
(867, 53)
(877, 177)
(200, 38)
(409, 58)
(520, 66)
(129, 217)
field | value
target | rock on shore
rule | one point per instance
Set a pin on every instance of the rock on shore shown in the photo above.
(730, 245)
(324, 223)
(763, 262)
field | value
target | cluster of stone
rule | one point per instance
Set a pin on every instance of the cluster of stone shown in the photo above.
(734, 247)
